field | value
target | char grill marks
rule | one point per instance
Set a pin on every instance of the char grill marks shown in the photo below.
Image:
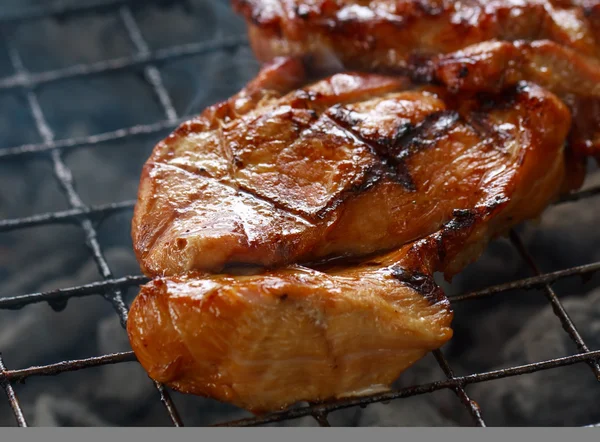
(468, 47)
(349, 165)
(394, 150)
(383, 33)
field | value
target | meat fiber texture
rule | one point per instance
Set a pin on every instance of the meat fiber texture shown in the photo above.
(466, 46)
(293, 233)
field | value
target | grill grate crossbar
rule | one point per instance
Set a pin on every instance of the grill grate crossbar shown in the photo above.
(67, 366)
(557, 307)
(117, 64)
(65, 178)
(111, 288)
(151, 72)
(459, 390)
(12, 397)
(65, 216)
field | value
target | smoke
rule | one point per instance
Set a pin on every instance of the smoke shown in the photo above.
(501, 331)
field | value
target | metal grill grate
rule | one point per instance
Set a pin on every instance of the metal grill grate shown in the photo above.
(111, 288)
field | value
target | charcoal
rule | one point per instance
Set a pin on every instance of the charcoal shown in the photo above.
(508, 329)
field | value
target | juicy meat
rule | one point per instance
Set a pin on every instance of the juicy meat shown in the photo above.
(374, 34)
(469, 46)
(347, 166)
(493, 66)
(265, 341)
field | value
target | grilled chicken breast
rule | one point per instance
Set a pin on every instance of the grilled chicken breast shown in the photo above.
(375, 34)
(346, 166)
(495, 65)
(268, 340)
(468, 46)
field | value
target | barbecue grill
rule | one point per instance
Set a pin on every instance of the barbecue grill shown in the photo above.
(87, 217)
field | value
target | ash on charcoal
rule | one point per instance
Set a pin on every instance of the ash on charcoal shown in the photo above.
(50, 411)
(417, 411)
(94, 107)
(555, 397)
(117, 166)
(42, 42)
(511, 328)
(14, 111)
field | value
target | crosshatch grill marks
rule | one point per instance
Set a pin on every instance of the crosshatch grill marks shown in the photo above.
(304, 165)
(408, 139)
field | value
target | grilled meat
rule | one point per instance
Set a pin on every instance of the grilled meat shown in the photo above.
(347, 166)
(375, 34)
(265, 341)
(493, 66)
(469, 46)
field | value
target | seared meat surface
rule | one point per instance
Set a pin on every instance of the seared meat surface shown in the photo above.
(267, 340)
(469, 46)
(493, 66)
(347, 166)
(375, 34)
(350, 165)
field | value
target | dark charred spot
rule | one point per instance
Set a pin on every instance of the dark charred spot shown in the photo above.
(521, 87)
(421, 68)
(251, 192)
(370, 178)
(302, 11)
(237, 161)
(463, 72)
(401, 131)
(401, 175)
(343, 116)
(425, 134)
(441, 246)
(421, 282)
(498, 200)
(463, 218)
(283, 297)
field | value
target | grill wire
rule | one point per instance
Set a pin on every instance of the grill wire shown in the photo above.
(112, 288)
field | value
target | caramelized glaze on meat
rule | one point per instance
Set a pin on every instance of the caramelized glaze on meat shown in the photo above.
(268, 340)
(373, 34)
(469, 46)
(495, 65)
(347, 166)
(264, 342)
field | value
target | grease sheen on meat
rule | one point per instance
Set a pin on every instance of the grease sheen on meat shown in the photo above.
(349, 165)
(468, 46)
(373, 34)
(267, 340)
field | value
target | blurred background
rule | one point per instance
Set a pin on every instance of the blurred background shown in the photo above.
(195, 53)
